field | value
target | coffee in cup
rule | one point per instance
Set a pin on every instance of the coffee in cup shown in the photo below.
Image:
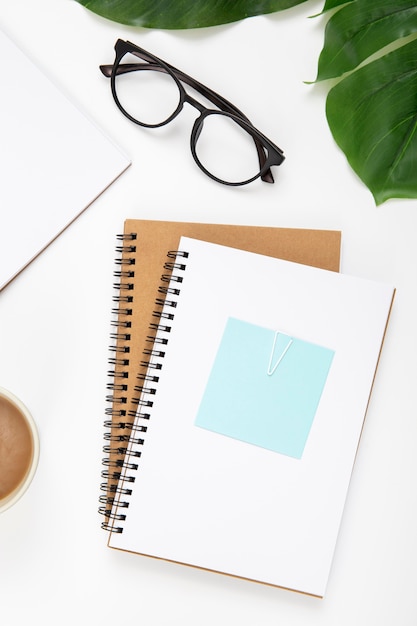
(19, 449)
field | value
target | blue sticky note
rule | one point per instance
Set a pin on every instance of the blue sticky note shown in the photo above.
(264, 387)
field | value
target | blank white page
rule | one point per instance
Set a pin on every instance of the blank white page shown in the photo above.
(209, 500)
(54, 161)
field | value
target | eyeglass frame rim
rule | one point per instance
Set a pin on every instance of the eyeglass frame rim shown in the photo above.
(267, 151)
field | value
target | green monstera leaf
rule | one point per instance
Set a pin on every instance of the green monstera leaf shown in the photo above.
(369, 52)
(372, 114)
(372, 111)
(167, 14)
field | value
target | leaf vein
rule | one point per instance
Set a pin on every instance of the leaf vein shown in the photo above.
(382, 139)
(403, 148)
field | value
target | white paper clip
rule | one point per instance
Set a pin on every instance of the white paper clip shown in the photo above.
(271, 369)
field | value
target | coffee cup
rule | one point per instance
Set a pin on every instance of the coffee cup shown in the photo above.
(19, 449)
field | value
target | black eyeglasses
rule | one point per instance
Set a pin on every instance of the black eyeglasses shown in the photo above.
(225, 150)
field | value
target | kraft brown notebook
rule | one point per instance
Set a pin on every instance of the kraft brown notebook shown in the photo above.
(141, 253)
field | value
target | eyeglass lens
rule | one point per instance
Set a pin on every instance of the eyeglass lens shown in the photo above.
(147, 95)
(226, 150)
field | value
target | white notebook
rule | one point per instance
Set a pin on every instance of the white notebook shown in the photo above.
(257, 393)
(54, 161)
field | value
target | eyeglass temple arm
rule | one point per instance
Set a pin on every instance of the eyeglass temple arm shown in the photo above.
(208, 93)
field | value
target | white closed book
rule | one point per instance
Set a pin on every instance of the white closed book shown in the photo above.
(54, 161)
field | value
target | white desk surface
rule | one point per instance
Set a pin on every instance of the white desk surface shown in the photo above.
(55, 567)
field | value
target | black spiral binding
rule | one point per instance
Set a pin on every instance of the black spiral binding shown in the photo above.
(117, 426)
(126, 436)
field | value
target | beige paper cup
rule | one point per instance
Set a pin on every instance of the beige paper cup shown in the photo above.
(19, 449)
